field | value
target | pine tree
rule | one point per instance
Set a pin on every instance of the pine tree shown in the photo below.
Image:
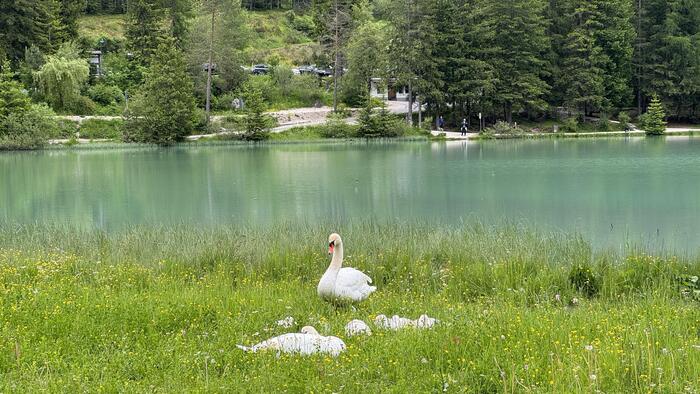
(515, 46)
(12, 98)
(24, 23)
(654, 122)
(164, 109)
(143, 28)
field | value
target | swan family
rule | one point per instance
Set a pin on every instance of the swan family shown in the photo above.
(337, 285)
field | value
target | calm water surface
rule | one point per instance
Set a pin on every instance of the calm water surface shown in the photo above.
(612, 191)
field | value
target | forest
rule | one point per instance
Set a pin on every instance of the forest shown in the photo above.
(531, 59)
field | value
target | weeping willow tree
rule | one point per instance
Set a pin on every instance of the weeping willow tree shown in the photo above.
(61, 77)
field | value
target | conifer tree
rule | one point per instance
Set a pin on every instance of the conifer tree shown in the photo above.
(164, 110)
(654, 122)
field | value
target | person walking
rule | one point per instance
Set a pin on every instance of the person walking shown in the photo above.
(464, 128)
(441, 123)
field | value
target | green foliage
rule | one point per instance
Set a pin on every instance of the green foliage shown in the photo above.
(625, 121)
(28, 129)
(583, 279)
(104, 94)
(653, 121)
(505, 128)
(12, 98)
(101, 129)
(163, 111)
(603, 124)
(378, 123)
(367, 58)
(61, 78)
(570, 125)
(337, 128)
(257, 124)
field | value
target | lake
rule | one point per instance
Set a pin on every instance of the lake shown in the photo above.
(611, 191)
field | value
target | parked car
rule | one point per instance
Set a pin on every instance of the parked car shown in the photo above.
(260, 69)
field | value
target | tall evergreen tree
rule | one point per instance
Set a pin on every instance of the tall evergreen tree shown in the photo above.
(24, 23)
(143, 28)
(163, 111)
(12, 98)
(515, 46)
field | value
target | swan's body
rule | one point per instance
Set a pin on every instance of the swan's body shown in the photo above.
(398, 322)
(308, 342)
(343, 284)
(357, 327)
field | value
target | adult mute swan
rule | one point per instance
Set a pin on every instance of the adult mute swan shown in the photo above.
(343, 284)
(308, 342)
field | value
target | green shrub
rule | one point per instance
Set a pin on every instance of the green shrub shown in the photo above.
(29, 129)
(335, 128)
(505, 128)
(66, 128)
(82, 105)
(105, 95)
(379, 123)
(101, 129)
(603, 124)
(625, 120)
(584, 280)
(570, 125)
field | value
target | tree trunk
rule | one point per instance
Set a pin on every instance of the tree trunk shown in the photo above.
(410, 102)
(336, 49)
(209, 67)
(508, 108)
(420, 113)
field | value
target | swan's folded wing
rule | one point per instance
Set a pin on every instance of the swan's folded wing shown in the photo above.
(350, 277)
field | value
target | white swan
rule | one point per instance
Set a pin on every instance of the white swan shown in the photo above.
(343, 284)
(308, 342)
(357, 327)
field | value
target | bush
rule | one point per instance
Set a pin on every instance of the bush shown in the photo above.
(101, 129)
(584, 280)
(379, 123)
(570, 125)
(337, 128)
(505, 128)
(82, 105)
(603, 124)
(29, 129)
(66, 128)
(105, 95)
(624, 119)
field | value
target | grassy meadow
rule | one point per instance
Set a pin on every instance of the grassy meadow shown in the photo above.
(160, 309)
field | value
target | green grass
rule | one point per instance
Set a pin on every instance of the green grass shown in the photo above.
(161, 309)
(94, 27)
(101, 129)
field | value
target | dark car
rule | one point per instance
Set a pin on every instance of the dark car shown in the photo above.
(260, 69)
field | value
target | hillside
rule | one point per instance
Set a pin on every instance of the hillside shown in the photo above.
(275, 34)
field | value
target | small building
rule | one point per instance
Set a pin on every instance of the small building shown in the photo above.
(381, 89)
(96, 63)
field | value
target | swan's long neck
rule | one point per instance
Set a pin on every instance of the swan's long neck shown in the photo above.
(337, 261)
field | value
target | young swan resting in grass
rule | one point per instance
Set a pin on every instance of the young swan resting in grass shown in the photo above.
(308, 342)
(343, 284)
(357, 327)
(397, 322)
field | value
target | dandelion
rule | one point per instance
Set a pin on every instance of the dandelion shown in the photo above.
(593, 377)
(589, 348)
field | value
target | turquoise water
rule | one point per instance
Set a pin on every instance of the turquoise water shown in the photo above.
(611, 191)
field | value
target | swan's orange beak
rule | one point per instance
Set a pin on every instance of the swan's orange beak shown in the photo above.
(330, 248)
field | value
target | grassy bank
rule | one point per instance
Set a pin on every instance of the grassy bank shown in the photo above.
(161, 309)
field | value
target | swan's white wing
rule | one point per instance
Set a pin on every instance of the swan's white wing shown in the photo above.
(353, 284)
(357, 327)
(304, 344)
